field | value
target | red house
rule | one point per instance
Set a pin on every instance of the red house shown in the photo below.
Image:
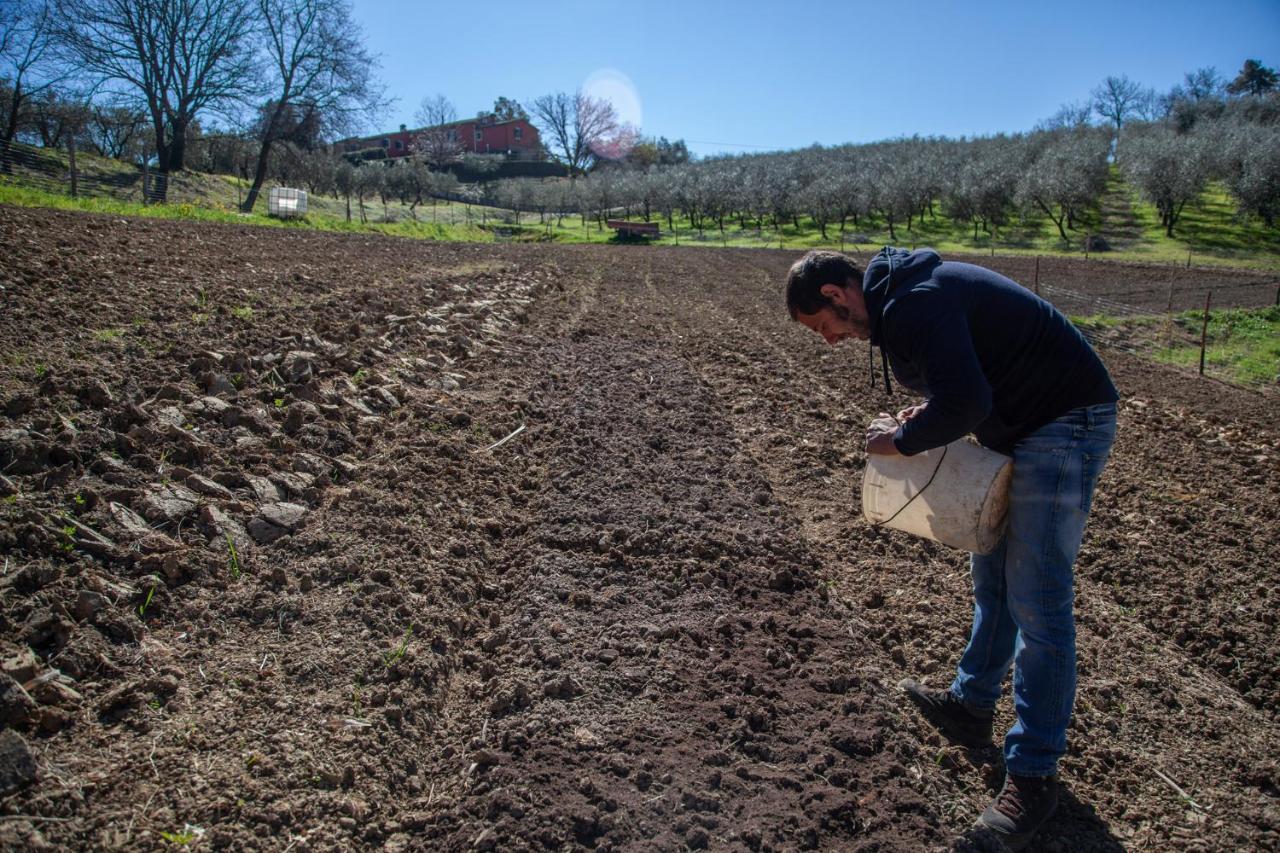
(516, 138)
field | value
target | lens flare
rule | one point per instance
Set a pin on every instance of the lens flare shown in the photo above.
(609, 84)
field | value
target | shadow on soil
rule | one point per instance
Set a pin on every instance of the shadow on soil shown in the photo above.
(1075, 826)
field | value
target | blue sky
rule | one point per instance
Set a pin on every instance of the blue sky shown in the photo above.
(748, 76)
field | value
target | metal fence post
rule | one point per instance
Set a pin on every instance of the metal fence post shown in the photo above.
(1204, 329)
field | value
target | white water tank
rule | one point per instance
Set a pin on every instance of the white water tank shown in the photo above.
(286, 203)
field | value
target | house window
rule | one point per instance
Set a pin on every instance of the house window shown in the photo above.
(453, 136)
(386, 143)
(399, 145)
(479, 134)
(518, 132)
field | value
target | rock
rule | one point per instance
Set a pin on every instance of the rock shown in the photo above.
(17, 764)
(217, 383)
(299, 414)
(309, 463)
(263, 489)
(564, 687)
(88, 605)
(220, 526)
(168, 502)
(96, 394)
(293, 482)
(21, 666)
(205, 486)
(286, 515)
(17, 708)
(384, 399)
(46, 628)
(133, 524)
(19, 405)
(56, 691)
(263, 531)
(168, 416)
(297, 367)
(210, 407)
(20, 453)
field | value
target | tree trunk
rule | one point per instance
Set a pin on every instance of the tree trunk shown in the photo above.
(259, 174)
(892, 236)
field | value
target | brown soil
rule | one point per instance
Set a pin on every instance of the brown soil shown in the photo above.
(267, 586)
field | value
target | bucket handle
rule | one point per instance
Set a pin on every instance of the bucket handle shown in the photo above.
(898, 511)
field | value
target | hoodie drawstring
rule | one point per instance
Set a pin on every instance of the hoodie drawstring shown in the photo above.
(884, 358)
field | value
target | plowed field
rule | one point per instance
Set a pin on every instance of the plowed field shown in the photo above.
(317, 542)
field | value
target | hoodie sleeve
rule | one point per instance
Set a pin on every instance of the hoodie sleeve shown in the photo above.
(935, 339)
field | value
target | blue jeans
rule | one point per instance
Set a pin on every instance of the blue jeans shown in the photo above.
(1023, 590)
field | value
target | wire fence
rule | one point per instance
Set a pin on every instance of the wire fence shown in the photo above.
(1226, 344)
(68, 172)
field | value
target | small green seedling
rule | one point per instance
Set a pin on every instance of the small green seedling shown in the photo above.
(69, 531)
(390, 659)
(244, 312)
(142, 608)
(184, 838)
(80, 500)
(233, 557)
(279, 402)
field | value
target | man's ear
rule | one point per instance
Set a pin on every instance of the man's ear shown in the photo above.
(834, 293)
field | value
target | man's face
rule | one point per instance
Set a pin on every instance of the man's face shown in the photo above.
(845, 317)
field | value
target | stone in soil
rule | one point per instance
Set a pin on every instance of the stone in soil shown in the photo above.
(17, 764)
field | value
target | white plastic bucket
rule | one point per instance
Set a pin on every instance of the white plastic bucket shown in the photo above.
(957, 495)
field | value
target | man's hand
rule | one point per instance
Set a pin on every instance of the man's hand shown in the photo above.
(911, 411)
(880, 436)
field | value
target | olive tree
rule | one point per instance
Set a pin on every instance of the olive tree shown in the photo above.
(1168, 168)
(1066, 177)
(1250, 165)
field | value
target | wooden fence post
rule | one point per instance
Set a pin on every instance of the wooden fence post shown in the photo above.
(71, 162)
(1204, 329)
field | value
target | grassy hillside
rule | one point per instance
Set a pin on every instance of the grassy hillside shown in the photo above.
(1209, 233)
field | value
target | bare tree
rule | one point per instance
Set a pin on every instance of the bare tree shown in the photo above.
(1203, 84)
(319, 66)
(578, 126)
(117, 131)
(178, 57)
(27, 57)
(1116, 99)
(1069, 115)
(437, 142)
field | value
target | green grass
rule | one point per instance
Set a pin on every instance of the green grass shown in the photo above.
(16, 194)
(1210, 230)
(1242, 343)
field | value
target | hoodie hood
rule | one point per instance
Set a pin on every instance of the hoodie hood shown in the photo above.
(890, 270)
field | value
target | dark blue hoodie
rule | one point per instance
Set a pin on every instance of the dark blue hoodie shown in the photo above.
(991, 357)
